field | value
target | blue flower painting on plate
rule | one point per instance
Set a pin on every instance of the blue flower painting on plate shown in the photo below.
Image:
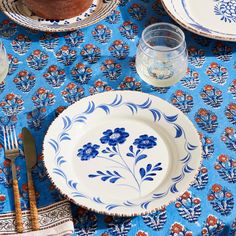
(113, 139)
(226, 9)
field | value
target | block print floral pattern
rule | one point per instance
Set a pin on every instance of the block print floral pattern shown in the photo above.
(49, 71)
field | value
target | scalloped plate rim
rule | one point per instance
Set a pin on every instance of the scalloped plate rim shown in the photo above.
(61, 28)
(193, 27)
(124, 212)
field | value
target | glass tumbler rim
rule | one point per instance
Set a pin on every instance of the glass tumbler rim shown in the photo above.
(175, 28)
(170, 57)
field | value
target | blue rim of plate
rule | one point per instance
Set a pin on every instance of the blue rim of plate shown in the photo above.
(20, 14)
(194, 26)
(121, 99)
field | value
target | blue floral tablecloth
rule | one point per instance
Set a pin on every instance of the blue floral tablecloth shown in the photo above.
(50, 71)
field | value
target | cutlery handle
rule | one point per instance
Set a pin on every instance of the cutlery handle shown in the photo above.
(19, 222)
(33, 204)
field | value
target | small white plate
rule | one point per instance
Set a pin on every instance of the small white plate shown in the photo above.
(18, 12)
(212, 18)
(122, 153)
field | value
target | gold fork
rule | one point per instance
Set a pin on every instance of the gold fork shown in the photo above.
(12, 151)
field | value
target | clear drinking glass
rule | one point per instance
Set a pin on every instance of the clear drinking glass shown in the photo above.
(162, 58)
(4, 63)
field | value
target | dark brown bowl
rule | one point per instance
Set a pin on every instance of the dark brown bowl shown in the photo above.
(58, 9)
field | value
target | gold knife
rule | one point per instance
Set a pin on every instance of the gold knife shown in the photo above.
(31, 160)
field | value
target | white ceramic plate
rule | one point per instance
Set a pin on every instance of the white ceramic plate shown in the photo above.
(122, 152)
(212, 18)
(19, 13)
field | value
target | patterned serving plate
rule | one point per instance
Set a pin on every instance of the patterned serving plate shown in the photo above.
(18, 12)
(213, 18)
(122, 153)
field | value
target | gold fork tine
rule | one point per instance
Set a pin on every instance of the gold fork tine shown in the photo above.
(15, 138)
(4, 137)
(12, 151)
(8, 137)
(11, 137)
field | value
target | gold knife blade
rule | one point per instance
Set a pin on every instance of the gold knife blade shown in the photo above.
(29, 149)
(31, 160)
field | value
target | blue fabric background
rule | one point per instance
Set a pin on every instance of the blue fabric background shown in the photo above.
(37, 111)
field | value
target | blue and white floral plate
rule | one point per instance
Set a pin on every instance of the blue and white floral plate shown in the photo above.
(212, 18)
(18, 12)
(122, 153)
